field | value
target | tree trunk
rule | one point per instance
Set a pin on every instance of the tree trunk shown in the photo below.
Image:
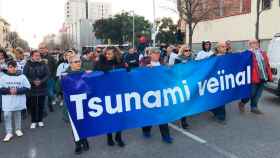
(258, 20)
(190, 35)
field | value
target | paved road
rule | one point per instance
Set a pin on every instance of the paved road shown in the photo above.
(244, 136)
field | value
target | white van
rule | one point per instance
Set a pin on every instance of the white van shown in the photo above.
(274, 57)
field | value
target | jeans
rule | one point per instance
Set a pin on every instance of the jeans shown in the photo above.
(256, 94)
(36, 109)
(8, 121)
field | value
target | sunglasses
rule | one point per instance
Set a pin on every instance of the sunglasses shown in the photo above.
(76, 62)
(187, 50)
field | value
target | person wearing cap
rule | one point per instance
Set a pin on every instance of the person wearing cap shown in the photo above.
(261, 73)
(206, 51)
(154, 54)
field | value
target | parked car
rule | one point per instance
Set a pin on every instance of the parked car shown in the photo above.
(274, 57)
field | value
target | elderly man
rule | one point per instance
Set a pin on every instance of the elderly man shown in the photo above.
(52, 65)
(220, 112)
(261, 73)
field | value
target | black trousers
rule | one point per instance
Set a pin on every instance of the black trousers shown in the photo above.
(164, 130)
(220, 113)
(117, 138)
(36, 108)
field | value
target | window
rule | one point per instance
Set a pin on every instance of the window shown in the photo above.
(266, 4)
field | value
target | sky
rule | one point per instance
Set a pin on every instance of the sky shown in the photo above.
(33, 19)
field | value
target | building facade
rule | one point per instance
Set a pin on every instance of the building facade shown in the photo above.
(99, 10)
(4, 30)
(80, 16)
(235, 20)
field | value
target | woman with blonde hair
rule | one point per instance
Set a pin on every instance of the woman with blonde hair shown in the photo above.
(184, 55)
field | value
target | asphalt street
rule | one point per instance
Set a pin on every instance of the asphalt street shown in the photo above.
(244, 136)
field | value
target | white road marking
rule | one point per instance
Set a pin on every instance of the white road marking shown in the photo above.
(188, 134)
(203, 142)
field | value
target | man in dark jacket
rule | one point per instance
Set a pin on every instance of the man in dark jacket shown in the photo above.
(37, 72)
(52, 65)
(131, 59)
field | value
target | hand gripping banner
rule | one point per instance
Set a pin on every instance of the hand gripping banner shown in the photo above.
(101, 103)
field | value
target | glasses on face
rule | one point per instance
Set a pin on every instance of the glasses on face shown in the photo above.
(76, 62)
(187, 50)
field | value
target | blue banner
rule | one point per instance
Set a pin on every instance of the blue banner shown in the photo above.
(101, 103)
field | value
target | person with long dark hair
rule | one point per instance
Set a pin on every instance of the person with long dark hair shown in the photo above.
(108, 61)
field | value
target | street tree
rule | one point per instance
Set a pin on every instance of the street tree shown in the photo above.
(15, 41)
(119, 28)
(167, 31)
(195, 11)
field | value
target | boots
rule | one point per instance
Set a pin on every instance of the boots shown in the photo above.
(78, 148)
(119, 139)
(85, 145)
(81, 145)
(110, 140)
(184, 123)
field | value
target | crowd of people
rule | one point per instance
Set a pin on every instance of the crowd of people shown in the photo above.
(31, 85)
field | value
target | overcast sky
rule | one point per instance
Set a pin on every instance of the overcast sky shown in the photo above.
(35, 18)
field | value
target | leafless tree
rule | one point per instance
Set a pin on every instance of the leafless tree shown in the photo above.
(195, 11)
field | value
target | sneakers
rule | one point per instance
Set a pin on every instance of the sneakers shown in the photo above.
(8, 137)
(256, 111)
(41, 124)
(33, 125)
(19, 133)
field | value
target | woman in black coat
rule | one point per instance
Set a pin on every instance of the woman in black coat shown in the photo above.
(108, 61)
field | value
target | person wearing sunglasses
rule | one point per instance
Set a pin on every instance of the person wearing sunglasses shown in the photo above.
(185, 55)
(75, 66)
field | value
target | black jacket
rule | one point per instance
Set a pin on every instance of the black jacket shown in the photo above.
(105, 65)
(132, 60)
(37, 71)
(52, 65)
